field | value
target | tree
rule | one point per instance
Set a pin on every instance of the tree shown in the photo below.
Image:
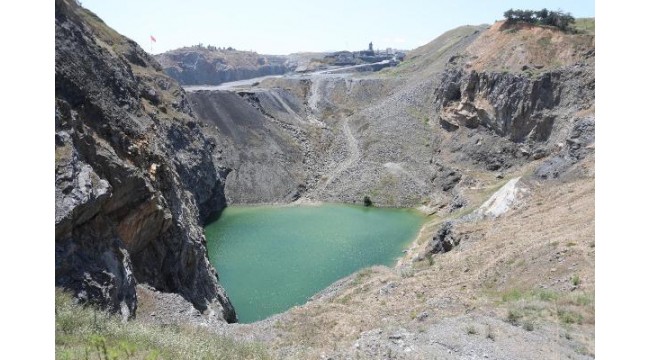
(527, 16)
(558, 18)
(542, 14)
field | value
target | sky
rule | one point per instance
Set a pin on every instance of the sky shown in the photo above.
(285, 26)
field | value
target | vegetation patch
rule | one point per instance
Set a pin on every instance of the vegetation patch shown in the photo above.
(575, 280)
(569, 316)
(529, 326)
(558, 19)
(362, 275)
(419, 114)
(87, 333)
(585, 26)
(366, 201)
(514, 316)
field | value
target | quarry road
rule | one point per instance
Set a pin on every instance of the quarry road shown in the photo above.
(351, 67)
(355, 154)
(232, 85)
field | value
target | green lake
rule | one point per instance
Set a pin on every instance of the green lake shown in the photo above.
(270, 258)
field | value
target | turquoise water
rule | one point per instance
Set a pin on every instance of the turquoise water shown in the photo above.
(272, 258)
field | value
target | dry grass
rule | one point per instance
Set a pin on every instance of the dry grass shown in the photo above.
(431, 57)
(502, 48)
(585, 26)
(85, 333)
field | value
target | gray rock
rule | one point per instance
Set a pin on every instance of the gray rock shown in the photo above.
(577, 147)
(388, 288)
(202, 66)
(512, 105)
(444, 240)
(422, 316)
(132, 184)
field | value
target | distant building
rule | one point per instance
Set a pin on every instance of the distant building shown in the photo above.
(365, 56)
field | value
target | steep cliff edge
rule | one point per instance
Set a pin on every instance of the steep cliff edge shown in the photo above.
(531, 85)
(518, 81)
(267, 144)
(134, 179)
(198, 65)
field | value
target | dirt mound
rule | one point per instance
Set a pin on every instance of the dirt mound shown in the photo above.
(522, 46)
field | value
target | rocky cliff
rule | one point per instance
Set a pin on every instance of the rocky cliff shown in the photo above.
(134, 179)
(534, 86)
(519, 107)
(263, 139)
(476, 100)
(199, 65)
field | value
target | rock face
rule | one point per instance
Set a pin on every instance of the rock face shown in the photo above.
(444, 240)
(262, 138)
(210, 66)
(520, 107)
(578, 145)
(134, 179)
(504, 199)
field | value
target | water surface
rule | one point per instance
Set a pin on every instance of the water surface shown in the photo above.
(272, 258)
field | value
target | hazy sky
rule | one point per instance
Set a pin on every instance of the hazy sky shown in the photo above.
(284, 26)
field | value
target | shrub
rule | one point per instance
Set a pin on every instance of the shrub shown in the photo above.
(406, 272)
(367, 201)
(569, 317)
(514, 317)
(528, 326)
(575, 280)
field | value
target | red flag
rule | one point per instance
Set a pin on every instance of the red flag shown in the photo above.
(152, 38)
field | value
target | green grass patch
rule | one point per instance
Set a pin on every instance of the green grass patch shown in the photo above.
(419, 114)
(585, 26)
(514, 295)
(546, 295)
(583, 299)
(345, 299)
(87, 333)
(575, 280)
(569, 317)
(514, 316)
(362, 275)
